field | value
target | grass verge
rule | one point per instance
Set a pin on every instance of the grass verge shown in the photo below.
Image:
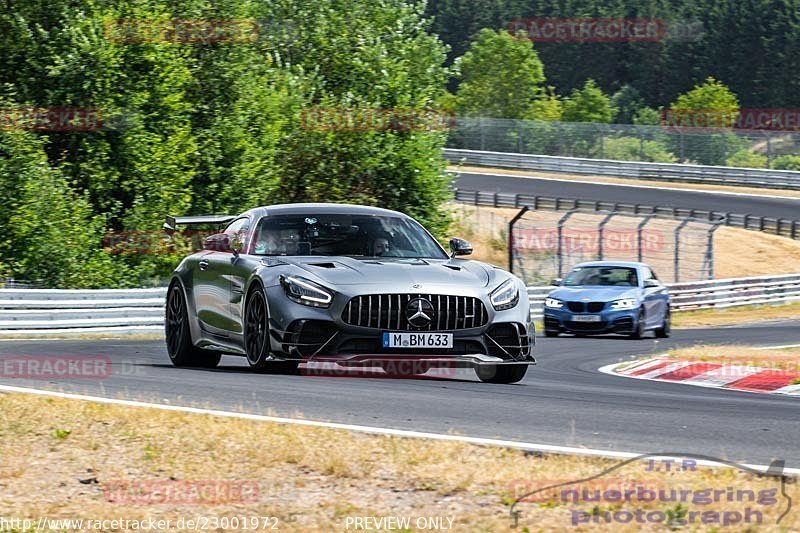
(735, 316)
(64, 458)
(780, 359)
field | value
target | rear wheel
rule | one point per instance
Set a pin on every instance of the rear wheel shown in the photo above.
(664, 331)
(179, 339)
(502, 374)
(551, 333)
(256, 337)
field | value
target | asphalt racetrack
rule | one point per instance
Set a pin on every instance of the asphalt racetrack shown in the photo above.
(562, 401)
(758, 205)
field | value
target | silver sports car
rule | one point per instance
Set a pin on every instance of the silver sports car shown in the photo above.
(346, 285)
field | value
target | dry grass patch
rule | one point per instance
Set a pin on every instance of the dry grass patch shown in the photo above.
(780, 359)
(735, 315)
(59, 457)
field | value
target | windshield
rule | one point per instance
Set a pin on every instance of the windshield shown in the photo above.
(344, 235)
(600, 275)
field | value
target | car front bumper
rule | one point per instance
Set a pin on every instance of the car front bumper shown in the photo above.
(299, 332)
(611, 321)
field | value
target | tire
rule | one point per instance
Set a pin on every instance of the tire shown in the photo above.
(501, 374)
(256, 337)
(666, 326)
(551, 333)
(180, 349)
(638, 333)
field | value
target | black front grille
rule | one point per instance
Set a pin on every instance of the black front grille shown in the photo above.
(575, 307)
(388, 311)
(595, 307)
(580, 307)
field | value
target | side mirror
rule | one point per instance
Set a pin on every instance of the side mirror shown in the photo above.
(651, 283)
(556, 282)
(459, 247)
(219, 242)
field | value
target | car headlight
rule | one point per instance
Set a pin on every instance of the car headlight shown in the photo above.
(552, 302)
(306, 292)
(505, 296)
(625, 303)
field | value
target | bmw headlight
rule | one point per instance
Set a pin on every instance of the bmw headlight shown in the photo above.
(306, 292)
(625, 303)
(552, 302)
(505, 296)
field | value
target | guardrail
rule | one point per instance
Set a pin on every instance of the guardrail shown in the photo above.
(745, 177)
(713, 294)
(27, 312)
(33, 312)
(776, 226)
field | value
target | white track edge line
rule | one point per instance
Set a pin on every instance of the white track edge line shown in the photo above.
(373, 430)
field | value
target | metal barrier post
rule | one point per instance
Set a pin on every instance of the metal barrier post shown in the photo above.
(710, 248)
(560, 246)
(639, 229)
(511, 224)
(677, 258)
(600, 230)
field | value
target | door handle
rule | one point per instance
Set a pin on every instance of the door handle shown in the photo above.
(203, 264)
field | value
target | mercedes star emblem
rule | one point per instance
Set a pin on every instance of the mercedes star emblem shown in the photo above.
(419, 312)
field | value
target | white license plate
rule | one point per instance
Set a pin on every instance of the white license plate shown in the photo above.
(417, 340)
(586, 318)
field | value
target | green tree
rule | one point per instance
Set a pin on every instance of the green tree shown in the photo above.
(589, 104)
(501, 76)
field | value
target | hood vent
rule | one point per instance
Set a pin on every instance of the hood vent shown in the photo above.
(322, 265)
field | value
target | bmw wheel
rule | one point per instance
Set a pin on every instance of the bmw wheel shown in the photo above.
(638, 333)
(664, 331)
(256, 337)
(179, 340)
(501, 374)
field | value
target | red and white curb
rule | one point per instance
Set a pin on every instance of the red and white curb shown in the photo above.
(713, 375)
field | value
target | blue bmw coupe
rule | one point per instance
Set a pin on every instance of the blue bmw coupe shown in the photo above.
(608, 297)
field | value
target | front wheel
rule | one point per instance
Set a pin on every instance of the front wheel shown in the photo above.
(664, 331)
(502, 374)
(256, 338)
(638, 333)
(180, 349)
(551, 333)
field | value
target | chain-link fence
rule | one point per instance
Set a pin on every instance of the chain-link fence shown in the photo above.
(625, 142)
(546, 245)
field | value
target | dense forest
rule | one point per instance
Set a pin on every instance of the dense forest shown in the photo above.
(201, 124)
(752, 46)
(113, 115)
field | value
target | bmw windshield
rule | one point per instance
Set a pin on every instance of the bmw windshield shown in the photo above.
(602, 276)
(360, 236)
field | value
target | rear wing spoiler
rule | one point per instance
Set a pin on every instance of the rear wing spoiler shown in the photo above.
(173, 222)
